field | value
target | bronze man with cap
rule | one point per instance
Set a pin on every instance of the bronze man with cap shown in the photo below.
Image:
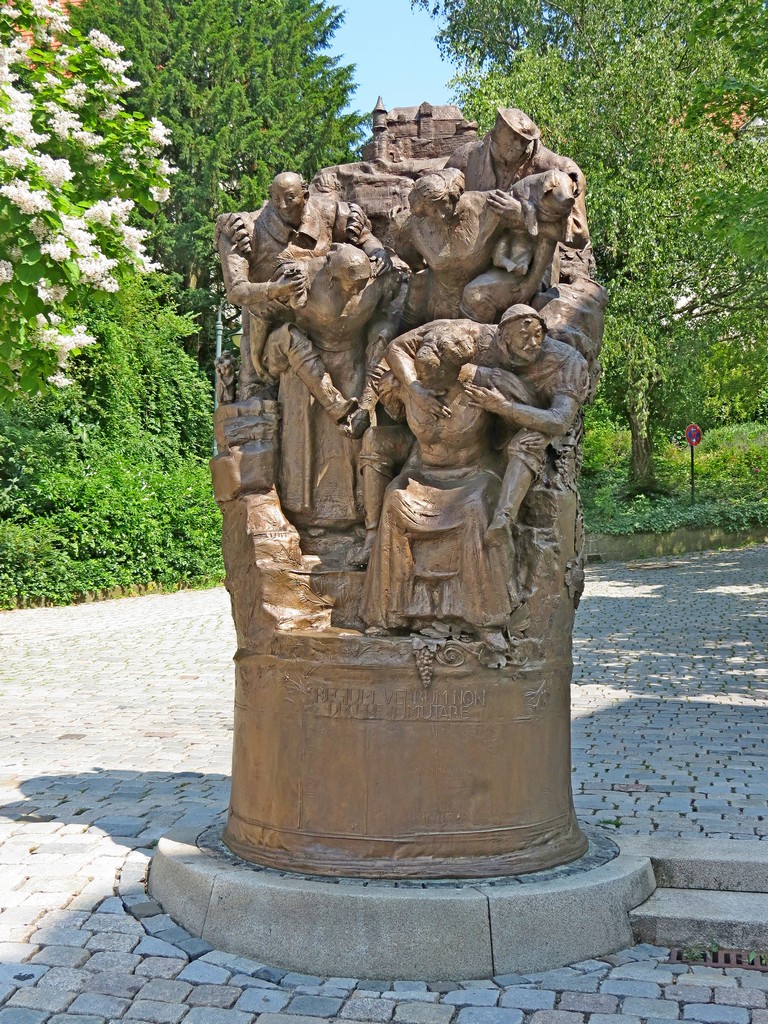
(510, 151)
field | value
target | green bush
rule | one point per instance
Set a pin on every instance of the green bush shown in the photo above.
(731, 473)
(106, 483)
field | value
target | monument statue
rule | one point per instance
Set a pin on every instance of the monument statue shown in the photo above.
(397, 470)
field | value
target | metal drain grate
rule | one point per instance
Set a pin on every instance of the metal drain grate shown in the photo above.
(745, 959)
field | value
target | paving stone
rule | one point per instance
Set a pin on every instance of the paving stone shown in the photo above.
(62, 937)
(221, 996)
(642, 972)
(588, 1002)
(510, 979)
(49, 999)
(61, 956)
(113, 942)
(591, 966)
(272, 974)
(409, 986)
(68, 979)
(528, 999)
(261, 1000)
(377, 1011)
(566, 980)
(638, 989)
(661, 1008)
(156, 1012)
(246, 981)
(22, 1015)
(613, 1018)
(751, 997)
(21, 975)
(120, 963)
(754, 979)
(208, 1015)
(194, 947)
(70, 1018)
(157, 947)
(416, 997)
(689, 993)
(472, 997)
(159, 967)
(636, 706)
(556, 1017)
(201, 972)
(314, 1006)
(489, 1015)
(99, 1005)
(292, 979)
(165, 991)
(711, 1013)
(282, 1018)
(423, 1013)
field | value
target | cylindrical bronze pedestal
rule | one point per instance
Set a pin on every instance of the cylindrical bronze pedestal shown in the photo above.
(346, 763)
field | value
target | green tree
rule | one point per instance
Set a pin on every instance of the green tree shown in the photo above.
(737, 103)
(611, 85)
(248, 89)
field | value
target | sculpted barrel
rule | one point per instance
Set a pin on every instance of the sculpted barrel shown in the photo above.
(467, 777)
(397, 471)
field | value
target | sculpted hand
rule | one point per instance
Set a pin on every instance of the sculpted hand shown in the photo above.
(355, 424)
(428, 401)
(326, 183)
(381, 262)
(504, 205)
(490, 399)
(234, 226)
(291, 286)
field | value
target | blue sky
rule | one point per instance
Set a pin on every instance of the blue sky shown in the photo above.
(395, 53)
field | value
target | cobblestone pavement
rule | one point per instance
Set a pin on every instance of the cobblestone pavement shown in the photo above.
(115, 721)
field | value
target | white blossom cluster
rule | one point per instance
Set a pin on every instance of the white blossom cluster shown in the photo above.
(45, 109)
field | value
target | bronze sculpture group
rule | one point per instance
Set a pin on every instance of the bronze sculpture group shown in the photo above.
(399, 459)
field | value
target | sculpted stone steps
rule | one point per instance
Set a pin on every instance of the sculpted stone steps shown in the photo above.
(723, 865)
(709, 891)
(703, 917)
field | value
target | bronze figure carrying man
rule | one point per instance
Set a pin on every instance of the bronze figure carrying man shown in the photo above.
(262, 255)
(510, 151)
(533, 382)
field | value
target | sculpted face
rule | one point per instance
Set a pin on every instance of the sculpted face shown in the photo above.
(522, 338)
(507, 146)
(435, 196)
(288, 197)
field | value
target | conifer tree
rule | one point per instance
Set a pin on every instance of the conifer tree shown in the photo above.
(248, 89)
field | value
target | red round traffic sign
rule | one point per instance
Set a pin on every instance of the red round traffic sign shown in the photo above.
(693, 435)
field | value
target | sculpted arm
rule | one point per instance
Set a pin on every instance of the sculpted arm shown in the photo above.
(503, 393)
(233, 240)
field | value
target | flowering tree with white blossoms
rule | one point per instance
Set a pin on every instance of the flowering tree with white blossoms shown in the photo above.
(73, 164)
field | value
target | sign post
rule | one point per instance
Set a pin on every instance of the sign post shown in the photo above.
(693, 437)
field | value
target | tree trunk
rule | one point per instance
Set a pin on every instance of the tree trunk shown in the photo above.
(642, 478)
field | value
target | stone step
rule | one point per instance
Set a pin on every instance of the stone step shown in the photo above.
(702, 917)
(725, 865)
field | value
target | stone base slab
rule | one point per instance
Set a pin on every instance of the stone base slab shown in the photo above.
(432, 932)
